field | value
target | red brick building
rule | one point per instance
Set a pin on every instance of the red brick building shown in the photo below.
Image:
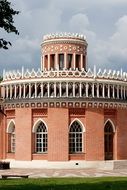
(63, 115)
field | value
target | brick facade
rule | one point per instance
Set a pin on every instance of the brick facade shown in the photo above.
(63, 112)
(58, 121)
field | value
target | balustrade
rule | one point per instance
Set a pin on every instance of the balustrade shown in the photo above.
(65, 89)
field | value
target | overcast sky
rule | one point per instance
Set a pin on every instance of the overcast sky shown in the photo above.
(103, 22)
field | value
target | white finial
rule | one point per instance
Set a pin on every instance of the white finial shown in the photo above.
(95, 71)
(121, 72)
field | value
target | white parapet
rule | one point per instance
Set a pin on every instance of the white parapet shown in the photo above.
(105, 74)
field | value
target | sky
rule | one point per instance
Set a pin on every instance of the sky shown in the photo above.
(103, 22)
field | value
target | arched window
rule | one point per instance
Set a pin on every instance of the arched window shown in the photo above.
(75, 138)
(11, 137)
(41, 138)
(108, 140)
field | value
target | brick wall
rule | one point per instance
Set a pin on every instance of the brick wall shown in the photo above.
(94, 134)
(58, 134)
(121, 134)
(23, 123)
(58, 121)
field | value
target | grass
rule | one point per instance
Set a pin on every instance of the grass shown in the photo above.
(105, 183)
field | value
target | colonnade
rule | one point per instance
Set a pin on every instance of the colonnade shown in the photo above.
(64, 89)
(52, 61)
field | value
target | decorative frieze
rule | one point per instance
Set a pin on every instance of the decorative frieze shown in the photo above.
(69, 104)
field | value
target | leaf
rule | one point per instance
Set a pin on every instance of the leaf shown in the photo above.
(7, 21)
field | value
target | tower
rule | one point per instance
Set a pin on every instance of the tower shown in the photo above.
(64, 51)
(62, 111)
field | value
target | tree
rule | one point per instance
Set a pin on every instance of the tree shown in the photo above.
(1, 78)
(7, 21)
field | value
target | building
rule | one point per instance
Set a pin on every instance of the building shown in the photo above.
(63, 114)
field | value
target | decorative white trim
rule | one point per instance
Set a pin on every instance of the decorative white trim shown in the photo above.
(113, 126)
(36, 125)
(80, 123)
(64, 35)
(90, 74)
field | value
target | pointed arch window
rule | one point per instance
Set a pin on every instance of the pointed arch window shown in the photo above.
(108, 140)
(11, 137)
(75, 138)
(41, 138)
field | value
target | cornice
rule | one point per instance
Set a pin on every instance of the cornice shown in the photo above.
(66, 104)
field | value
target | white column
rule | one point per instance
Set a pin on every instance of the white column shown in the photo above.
(81, 61)
(74, 60)
(97, 90)
(80, 89)
(15, 92)
(60, 88)
(48, 62)
(73, 89)
(35, 87)
(10, 91)
(67, 89)
(103, 91)
(29, 90)
(24, 90)
(41, 90)
(20, 90)
(65, 60)
(86, 89)
(113, 88)
(118, 91)
(48, 90)
(108, 91)
(93, 90)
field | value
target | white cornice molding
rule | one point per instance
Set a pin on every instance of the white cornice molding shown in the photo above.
(64, 35)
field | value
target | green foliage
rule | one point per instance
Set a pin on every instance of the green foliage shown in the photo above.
(1, 78)
(102, 183)
(7, 21)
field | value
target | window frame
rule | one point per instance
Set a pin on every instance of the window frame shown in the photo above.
(41, 141)
(74, 140)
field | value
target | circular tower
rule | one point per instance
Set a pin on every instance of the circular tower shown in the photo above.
(63, 52)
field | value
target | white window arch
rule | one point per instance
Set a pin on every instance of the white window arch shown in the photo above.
(41, 137)
(109, 121)
(35, 126)
(11, 136)
(76, 130)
